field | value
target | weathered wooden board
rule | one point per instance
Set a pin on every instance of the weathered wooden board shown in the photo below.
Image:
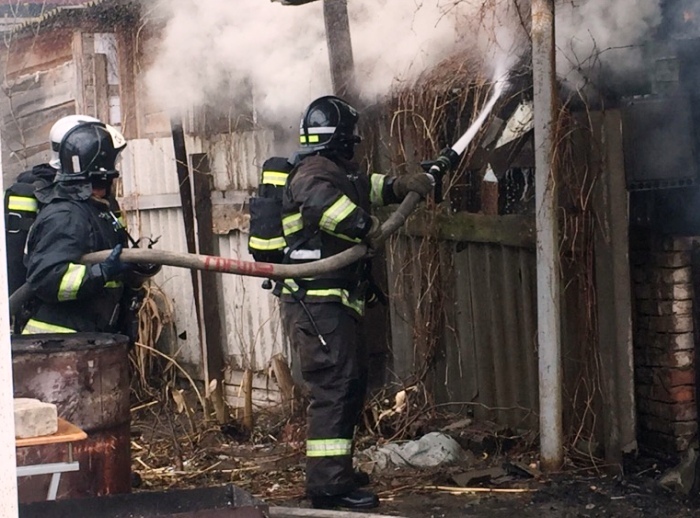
(265, 390)
(510, 230)
(260, 381)
(36, 52)
(33, 130)
(36, 92)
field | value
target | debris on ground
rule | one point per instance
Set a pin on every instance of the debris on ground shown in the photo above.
(433, 449)
(681, 478)
(473, 468)
(487, 481)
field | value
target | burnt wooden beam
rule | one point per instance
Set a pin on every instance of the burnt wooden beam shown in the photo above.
(612, 284)
(185, 185)
(213, 347)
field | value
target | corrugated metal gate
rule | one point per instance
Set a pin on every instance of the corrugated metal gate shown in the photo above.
(150, 197)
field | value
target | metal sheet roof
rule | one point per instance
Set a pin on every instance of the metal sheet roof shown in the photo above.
(64, 11)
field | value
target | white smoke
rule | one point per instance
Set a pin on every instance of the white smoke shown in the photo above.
(595, 33)
(229, 53)
(217, 51)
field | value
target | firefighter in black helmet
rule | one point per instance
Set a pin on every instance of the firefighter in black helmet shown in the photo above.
(326, 210)
(76, 219)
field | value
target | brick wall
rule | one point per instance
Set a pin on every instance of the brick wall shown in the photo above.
(664, 342)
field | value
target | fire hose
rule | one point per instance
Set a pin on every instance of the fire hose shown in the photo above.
(448, 160)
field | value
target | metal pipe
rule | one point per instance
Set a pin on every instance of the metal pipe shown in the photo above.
(548, 282)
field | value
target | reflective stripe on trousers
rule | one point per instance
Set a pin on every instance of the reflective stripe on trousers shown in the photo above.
(341, 294)
(328, 447)
(336, 377)
(37, 327)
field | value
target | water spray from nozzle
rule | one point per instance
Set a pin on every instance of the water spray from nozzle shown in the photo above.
(461, 145)
(449, 157)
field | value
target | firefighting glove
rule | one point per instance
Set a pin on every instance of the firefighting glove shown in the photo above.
(375, 229)
(422, 183)
(374, 232)
(113, 266)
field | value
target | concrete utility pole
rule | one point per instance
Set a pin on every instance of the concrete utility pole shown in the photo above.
(335, 14)
(8, 460)
(548, 283)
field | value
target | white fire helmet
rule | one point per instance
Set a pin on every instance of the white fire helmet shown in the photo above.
(59, 130)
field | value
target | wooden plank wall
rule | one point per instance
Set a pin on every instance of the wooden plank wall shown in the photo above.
(41, 85)
(54, 72)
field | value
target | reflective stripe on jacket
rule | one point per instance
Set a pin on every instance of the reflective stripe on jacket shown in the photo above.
(73, 296)
(326, 210)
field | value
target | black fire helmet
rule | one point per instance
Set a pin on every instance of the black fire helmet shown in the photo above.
(89, 151)
(329, 124)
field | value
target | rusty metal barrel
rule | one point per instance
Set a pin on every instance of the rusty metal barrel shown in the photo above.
(86, 375)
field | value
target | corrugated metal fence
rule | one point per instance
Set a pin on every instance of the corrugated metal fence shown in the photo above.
(486, 359)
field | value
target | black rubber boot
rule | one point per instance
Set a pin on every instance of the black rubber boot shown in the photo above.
(358, 499)
(360, 478)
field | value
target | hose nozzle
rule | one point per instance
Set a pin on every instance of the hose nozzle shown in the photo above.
(443, 164)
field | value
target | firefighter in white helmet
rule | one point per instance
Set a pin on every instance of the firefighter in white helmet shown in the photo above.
(76, 218)
(21, 206)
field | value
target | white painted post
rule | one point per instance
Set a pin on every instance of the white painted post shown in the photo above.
(548, 283)
(8, 461)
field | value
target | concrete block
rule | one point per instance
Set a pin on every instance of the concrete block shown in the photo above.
(665, 307)
(651, 423)
(671, 259)
(668, 411)
(682, 394)
(671, 276)
(667, 291)
(673, 243)
(34, 418)
(668, 324)
(667, 341)
(666, 377)
(652, 357)
(664, 443)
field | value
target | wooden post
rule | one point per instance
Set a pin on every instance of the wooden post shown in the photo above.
(489, 193)
(186, 199)
(335, 13)
(285, 381)
(247, 389)
(613, 286)
(201, 175)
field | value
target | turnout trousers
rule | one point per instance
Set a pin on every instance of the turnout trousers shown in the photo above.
(336, 378)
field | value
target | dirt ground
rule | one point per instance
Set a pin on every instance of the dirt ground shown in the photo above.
(172, 451)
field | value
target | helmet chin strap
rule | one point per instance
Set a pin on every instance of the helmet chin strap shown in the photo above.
(103, 184)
